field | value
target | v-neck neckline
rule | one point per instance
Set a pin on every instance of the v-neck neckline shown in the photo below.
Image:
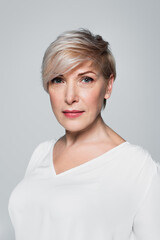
(93, 160)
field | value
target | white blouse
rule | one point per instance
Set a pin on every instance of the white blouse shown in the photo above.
(115, 196)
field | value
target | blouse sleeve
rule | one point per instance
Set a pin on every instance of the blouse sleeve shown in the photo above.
(146, 224)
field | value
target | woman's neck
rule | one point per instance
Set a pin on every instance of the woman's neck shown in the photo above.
(97, 131)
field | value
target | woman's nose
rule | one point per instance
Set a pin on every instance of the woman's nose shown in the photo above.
(71, 93)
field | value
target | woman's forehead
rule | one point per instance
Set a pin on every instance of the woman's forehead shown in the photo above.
(84, 67)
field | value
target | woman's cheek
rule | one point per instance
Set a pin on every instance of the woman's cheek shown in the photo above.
(55, 99)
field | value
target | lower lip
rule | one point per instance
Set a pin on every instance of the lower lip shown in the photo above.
(73, 115)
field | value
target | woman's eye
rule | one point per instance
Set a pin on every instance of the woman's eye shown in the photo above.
(56, 80)
(88, 79)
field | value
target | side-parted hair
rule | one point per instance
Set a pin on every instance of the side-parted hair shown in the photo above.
(74, 47)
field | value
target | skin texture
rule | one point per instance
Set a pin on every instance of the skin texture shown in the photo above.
(87, 134)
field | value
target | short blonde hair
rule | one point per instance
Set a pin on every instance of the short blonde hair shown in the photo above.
(72, 48)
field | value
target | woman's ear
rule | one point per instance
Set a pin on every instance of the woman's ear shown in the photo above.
(109, 87)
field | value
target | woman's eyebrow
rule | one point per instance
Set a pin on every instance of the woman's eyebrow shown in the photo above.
(80, 74)
(86, 73)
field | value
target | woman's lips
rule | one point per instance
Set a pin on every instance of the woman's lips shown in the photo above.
(73, 114)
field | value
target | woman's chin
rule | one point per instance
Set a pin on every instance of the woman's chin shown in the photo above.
(74, 127)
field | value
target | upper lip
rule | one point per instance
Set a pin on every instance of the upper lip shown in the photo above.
(72, 111)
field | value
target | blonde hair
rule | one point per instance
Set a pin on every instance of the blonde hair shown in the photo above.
(72, 48)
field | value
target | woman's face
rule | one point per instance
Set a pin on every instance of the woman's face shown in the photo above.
(82, 89)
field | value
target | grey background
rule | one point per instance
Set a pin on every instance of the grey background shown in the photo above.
(27, 28)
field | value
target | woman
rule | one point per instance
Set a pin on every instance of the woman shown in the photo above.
(90, 183)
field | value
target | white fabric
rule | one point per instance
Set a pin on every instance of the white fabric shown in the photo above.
(112, 197)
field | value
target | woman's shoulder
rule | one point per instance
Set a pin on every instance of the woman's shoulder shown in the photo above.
(38, 153)
(43, 145)
(136, 150)
(141, 159)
